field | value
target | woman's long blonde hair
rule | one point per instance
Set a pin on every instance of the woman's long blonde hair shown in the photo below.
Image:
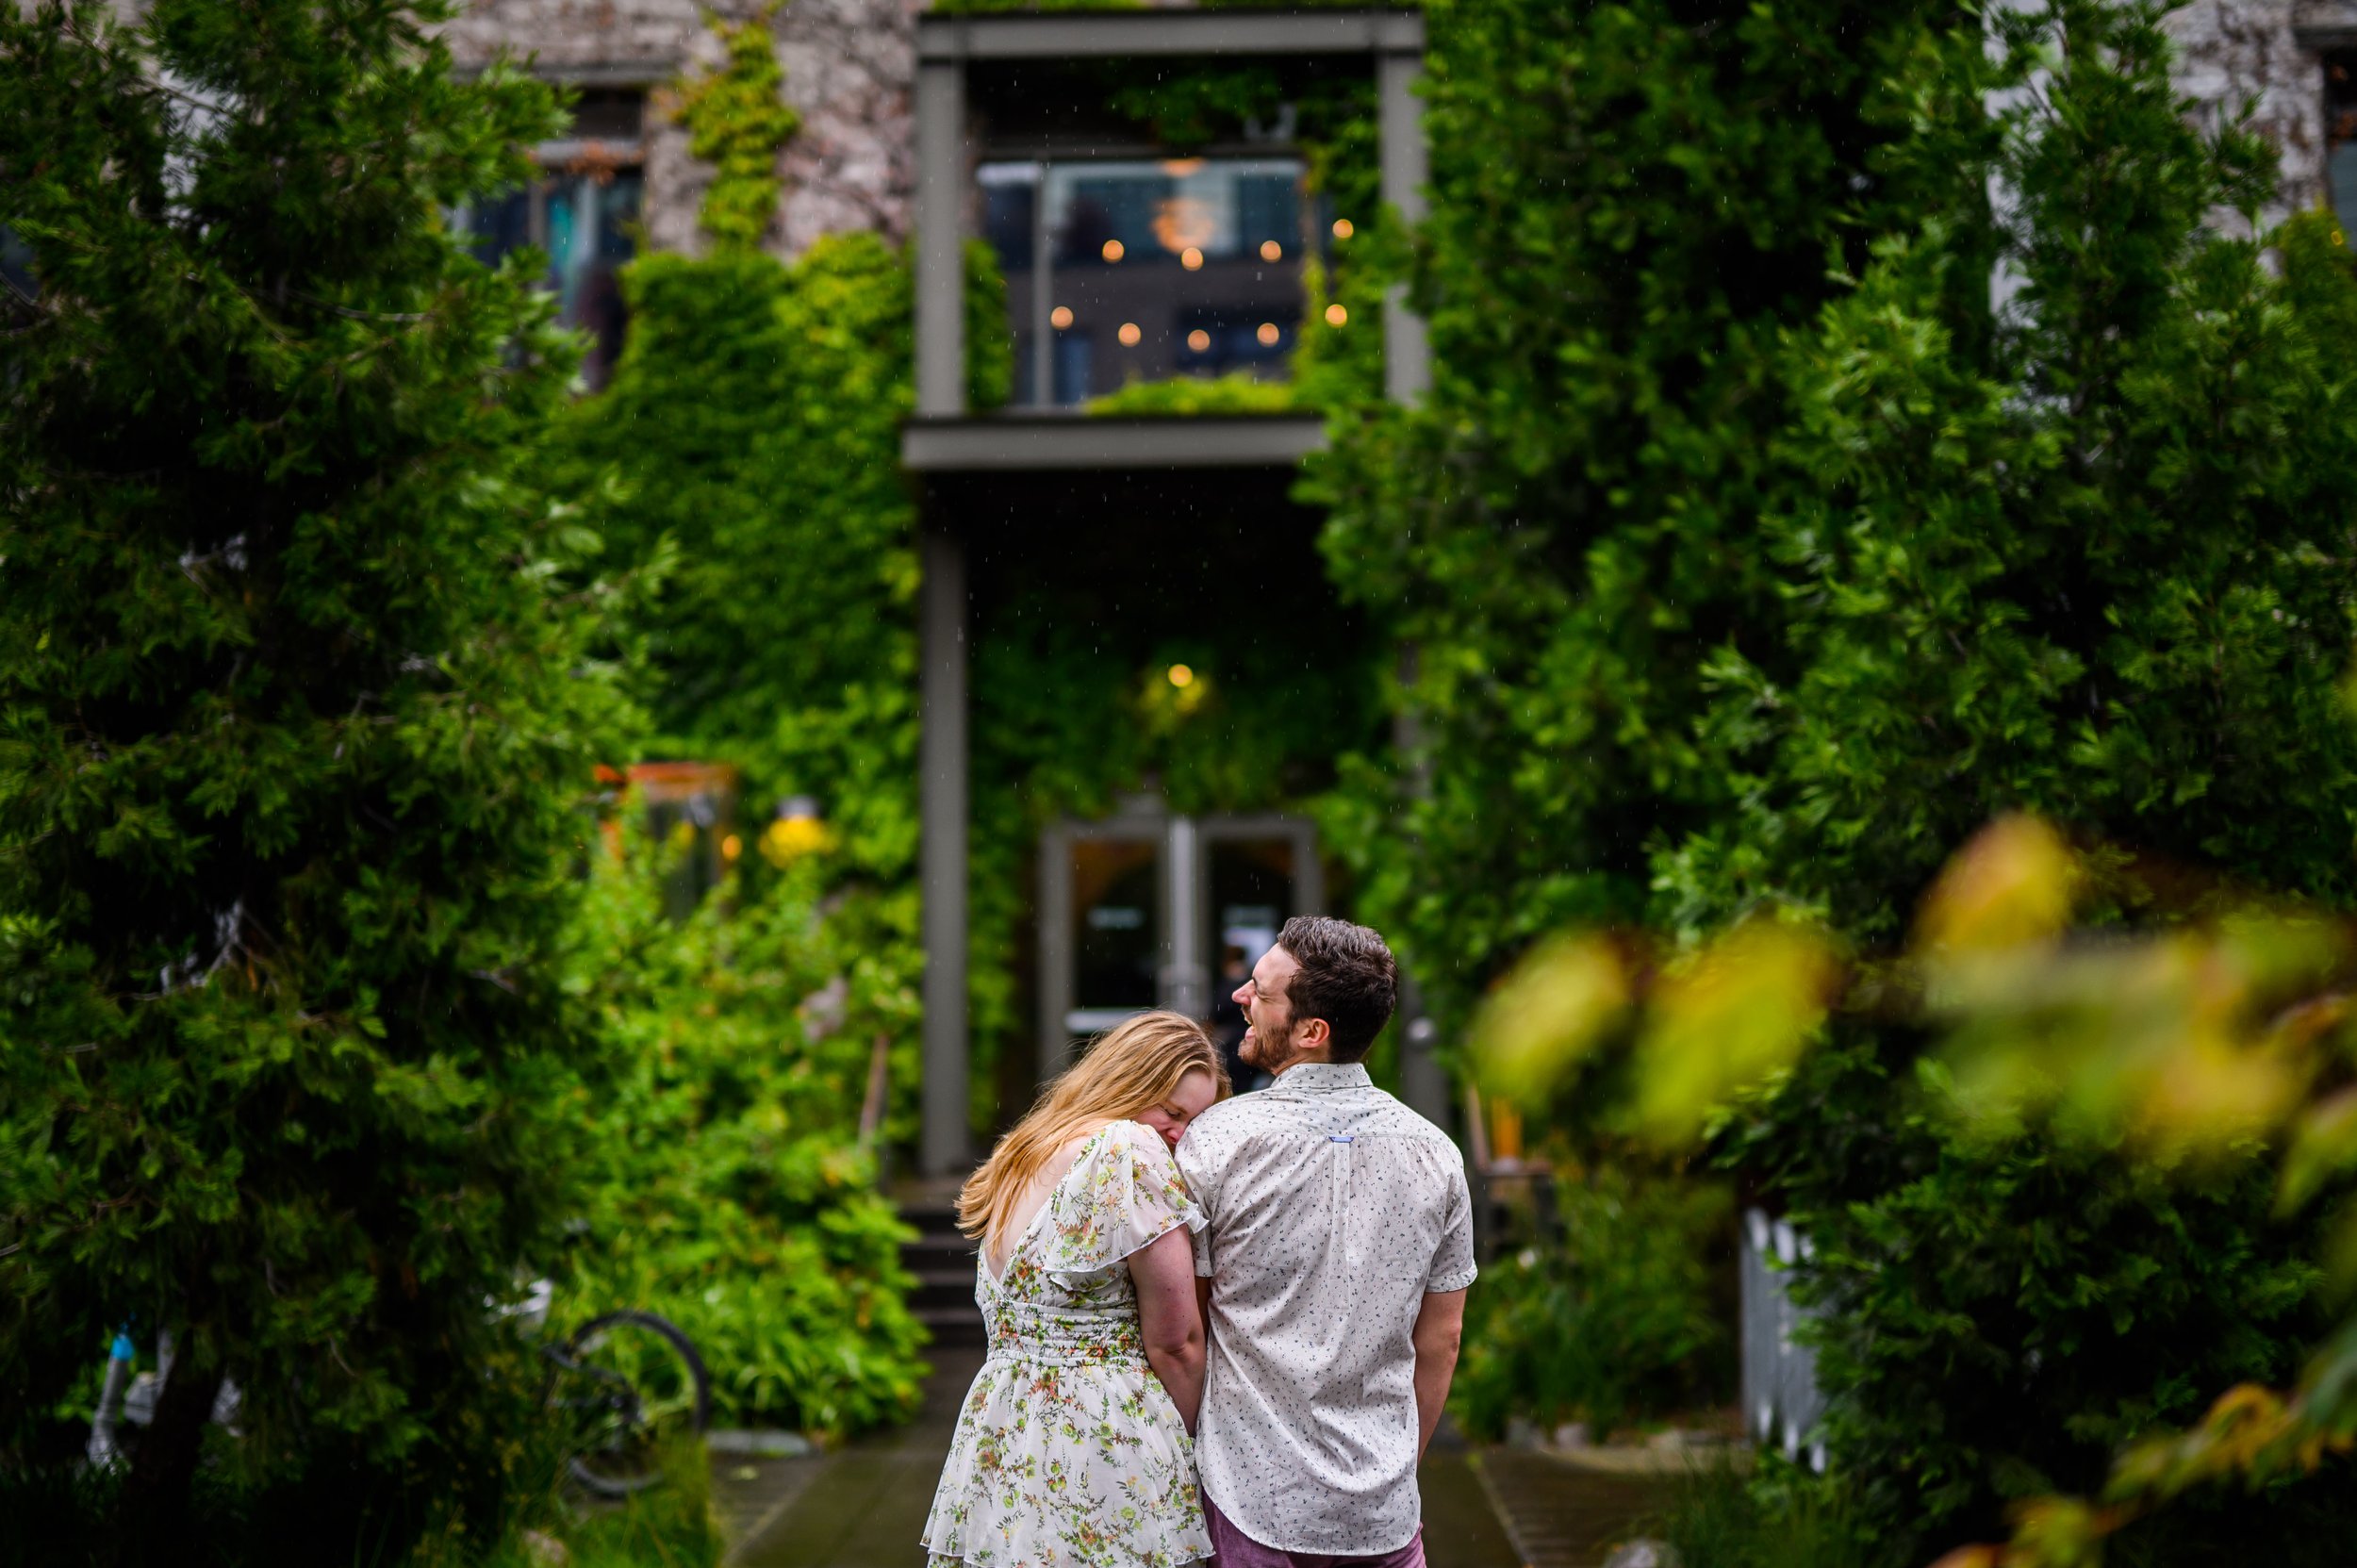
(1130, 1070)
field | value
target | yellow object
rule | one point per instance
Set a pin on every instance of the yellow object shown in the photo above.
(789, 838)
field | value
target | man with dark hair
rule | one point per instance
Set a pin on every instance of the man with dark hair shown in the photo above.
(1333, 1270)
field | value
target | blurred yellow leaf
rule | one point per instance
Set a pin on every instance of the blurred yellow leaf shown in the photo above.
(1728, 1018)
(1548, 1014)
(1973, 1557)
(2014, 883)
(2061, 1532)
(2324, 1142)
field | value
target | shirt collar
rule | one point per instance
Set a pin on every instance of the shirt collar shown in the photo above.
(1326, 1075)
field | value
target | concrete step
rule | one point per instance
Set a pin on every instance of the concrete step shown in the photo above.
(959, 1326)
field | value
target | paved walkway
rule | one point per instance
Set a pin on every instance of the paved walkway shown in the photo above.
(1563, 1514)
(863, 1505)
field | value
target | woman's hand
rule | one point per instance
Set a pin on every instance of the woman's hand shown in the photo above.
(1163, 1271)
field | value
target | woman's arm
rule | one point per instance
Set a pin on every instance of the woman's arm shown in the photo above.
(1165, 1273)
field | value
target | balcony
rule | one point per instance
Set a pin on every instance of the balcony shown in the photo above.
(1123, 271)
(1163, 291)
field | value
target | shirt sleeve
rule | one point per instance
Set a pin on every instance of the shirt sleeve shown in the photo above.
(1201, 1173)
(1125, 1193)
(1453, 1264)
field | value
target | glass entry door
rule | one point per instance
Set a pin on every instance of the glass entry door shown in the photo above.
(1149, 910)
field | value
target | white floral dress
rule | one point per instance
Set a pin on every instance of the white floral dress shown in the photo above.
(1069, 1453)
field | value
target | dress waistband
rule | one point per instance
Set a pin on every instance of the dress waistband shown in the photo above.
(1021, 1354)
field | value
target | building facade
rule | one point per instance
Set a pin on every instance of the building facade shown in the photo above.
(1124, 263)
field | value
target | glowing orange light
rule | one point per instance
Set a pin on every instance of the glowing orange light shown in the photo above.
(1267, 334)
(1336, 315)
(1191, 258)
(1181, 676)
(1342, 229)
(1272, 251)
(1199, 340)
(1114, 250)
(731, 847)
(1061, 317)
(1130, 334)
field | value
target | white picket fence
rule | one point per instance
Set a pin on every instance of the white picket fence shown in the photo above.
(1780, 1399)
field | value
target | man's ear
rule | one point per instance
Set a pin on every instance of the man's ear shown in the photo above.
(1314, 1033)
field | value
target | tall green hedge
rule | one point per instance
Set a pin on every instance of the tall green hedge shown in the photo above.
(1751, 560)
(296, 725)
(1629, 203)
(2092, 562)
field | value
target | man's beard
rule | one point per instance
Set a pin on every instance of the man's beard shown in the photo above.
(1256, 1050)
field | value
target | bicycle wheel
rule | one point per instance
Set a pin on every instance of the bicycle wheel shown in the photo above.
(629, 1387)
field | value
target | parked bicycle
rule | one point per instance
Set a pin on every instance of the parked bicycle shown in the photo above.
(626, 1386)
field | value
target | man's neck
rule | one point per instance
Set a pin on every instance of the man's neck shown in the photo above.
(1318, 1061)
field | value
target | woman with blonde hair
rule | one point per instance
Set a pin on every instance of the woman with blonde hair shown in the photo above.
(1075, 1447)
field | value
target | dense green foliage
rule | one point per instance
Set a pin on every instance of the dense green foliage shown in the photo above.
(2089, 563)
(747, 448)
(238, 1518)
(1614, 1322)
(1629, 203)
(736, 119)
(1774, 1518)
(296, 730)
(731, 1196)
(1751, 561)
(750, 441)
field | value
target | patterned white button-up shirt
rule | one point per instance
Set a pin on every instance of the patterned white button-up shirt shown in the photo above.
(1333, 1210)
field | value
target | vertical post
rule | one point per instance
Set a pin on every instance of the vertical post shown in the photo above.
(1407, 353)
(942, 1147)
(1186, 980)
(1055, 949)
(940, 243)
(1423, 1081)
(1042, 295)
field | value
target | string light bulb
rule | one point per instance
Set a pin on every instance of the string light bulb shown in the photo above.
(1268, 335)
(1342, 229)
(1061, 317)
(1191, 258)
(1130, 334)
(1272, 251)
(1336, 315)
(1181, 676)
(1114, 250)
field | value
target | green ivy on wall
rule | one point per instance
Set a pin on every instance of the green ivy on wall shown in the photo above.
(737, 120)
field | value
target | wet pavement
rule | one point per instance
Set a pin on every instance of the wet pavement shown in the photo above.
(863, 1505)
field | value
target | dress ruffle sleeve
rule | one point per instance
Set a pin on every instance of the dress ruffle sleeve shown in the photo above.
(1125, 1193)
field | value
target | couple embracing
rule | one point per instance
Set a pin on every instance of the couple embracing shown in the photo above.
(1218, 1328)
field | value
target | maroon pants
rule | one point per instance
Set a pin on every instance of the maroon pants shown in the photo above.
(1232, 1548)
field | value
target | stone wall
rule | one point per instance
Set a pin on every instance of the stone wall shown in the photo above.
(851, 70)
(2263, 51)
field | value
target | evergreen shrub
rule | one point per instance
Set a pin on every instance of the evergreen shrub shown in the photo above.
(2088, 557)
(297, 718)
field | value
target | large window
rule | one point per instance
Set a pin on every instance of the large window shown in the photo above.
(583, 214)
(2340, 133)
(1128, 271)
